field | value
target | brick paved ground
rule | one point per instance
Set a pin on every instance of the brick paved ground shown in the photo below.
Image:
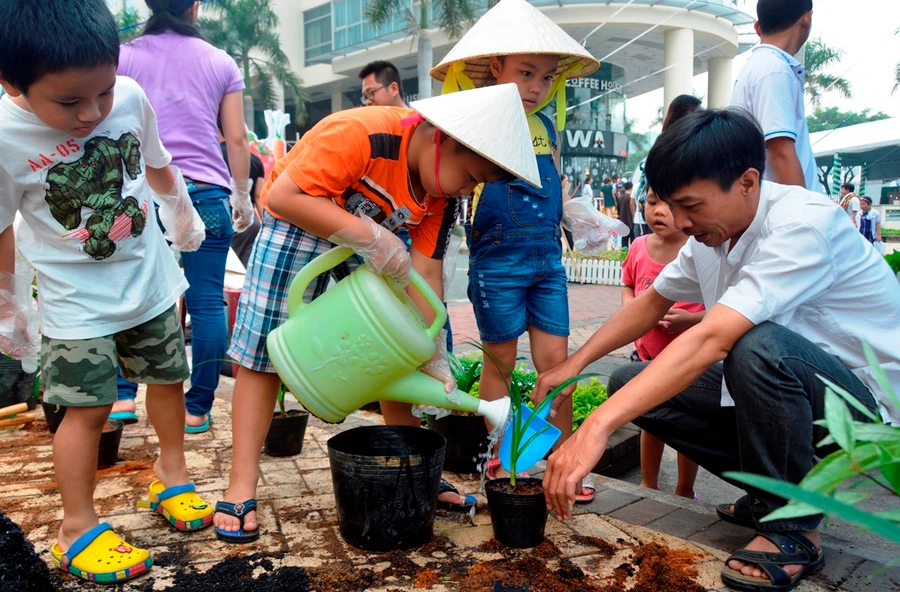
(299, 521)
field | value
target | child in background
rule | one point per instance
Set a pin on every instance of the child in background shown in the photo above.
(516, 278)
(351, 180)
(81, 161)
(870, 222)
(646, 258)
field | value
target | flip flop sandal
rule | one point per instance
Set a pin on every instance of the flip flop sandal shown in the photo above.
(238, 511)
(796, 549)
(494, 464)
(447, 488)
(180, 505)
(740, 515)
(126, 417)
(199, 429)
(587, 492)
(99, 555)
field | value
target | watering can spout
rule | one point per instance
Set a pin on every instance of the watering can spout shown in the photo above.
(418, 388)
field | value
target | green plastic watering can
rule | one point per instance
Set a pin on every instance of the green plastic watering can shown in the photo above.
(362, 341)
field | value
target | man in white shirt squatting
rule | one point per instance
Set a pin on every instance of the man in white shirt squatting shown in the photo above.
(781, 274)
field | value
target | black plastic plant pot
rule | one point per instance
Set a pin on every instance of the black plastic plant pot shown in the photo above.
(467, 439)
(386, 481)
(54, 415)
(109, 443)
(16, 385)
(518, 515)
(285, 437)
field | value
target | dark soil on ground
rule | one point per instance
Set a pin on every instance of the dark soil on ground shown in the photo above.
(21, 570)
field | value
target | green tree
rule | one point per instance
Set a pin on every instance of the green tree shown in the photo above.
(896, 71)
(129, 24)
(833, 117)
(246, 30)
(819, 57)
(452, 16)
(637, 145)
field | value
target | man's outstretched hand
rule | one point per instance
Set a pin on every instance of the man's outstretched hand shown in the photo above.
(571, 463)
(549, 380)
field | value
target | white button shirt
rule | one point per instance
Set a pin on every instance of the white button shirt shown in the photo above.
(770, 87)
(801, 264)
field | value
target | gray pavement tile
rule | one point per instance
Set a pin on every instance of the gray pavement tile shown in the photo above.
(643, 511)
(682, 523)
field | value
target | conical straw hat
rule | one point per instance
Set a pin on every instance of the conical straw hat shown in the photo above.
(514, 27)
(489, 121)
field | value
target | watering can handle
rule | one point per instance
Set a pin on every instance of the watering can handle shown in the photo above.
(338, 255)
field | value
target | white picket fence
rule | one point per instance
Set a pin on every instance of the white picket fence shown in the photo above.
(593, 271)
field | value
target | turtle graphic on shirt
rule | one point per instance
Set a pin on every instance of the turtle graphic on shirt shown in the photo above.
(95, 181)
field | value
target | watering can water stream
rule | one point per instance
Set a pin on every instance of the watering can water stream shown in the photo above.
(362, 341)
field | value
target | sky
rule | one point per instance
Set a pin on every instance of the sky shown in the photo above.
(863, 29)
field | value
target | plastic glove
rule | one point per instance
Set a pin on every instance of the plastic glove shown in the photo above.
(383, 252)
(241, 208)
(439, 364)
(19, 320)
(590, 228)
(183, 225)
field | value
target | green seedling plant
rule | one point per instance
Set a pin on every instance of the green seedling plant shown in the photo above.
(893, 259)
(466, 371)
(868, 456)
(519, 398)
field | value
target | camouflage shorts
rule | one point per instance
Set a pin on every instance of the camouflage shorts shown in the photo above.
(82, 372)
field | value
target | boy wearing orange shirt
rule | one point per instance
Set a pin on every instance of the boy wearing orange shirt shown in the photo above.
(353, 179)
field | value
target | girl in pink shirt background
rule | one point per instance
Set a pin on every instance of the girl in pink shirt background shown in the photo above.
(646, 258)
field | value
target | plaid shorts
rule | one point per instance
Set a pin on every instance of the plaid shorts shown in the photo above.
(82, 372)
(281, 250)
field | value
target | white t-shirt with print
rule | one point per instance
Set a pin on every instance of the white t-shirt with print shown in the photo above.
(87, 222)
(800, 265)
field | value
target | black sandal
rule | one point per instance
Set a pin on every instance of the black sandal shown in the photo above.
(238, 511)
(741, 514)
(796, 549)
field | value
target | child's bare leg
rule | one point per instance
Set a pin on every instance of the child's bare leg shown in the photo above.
(396, 413)
(75, 448)
(547, 352)
(687, 474)
(492, 385)
(651, 457)
(251, 414)
(165, 408)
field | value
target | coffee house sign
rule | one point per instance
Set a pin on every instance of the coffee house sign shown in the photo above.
(595, 84)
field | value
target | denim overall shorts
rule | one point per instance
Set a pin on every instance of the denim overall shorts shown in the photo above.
(516, 275)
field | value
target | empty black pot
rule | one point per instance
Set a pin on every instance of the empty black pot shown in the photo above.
(386, 481)
(518, 518)
(108, 454)
(54, 415)
(285, 436)
(16, 385)
(467, 438)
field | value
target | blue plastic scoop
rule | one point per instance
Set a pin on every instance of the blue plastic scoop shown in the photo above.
(537, 449)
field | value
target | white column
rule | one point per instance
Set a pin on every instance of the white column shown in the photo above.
(720, 83)
(679, 54)
(337, 100)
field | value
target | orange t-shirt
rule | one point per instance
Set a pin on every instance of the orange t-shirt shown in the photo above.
(358, 159)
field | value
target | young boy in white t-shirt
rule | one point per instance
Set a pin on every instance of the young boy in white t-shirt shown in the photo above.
(81, 159)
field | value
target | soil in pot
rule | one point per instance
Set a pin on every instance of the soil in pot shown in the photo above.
(54, 415)
(386, 481)
(16, 385)
(20, 567)
(518, 514)
(109, 443)
(467, 439)
(285, 436)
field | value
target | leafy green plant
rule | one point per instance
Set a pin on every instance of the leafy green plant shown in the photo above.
(869, 455)
(610, 255)
(894, 261)
(587, 397)
(466, 371)
(519, 399)
(890, 231)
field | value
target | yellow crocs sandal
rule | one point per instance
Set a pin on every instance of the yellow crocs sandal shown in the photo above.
(180, 504)
(99, 555)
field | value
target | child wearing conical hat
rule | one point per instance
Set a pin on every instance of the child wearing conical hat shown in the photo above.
(352, 180)
(516, 278)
